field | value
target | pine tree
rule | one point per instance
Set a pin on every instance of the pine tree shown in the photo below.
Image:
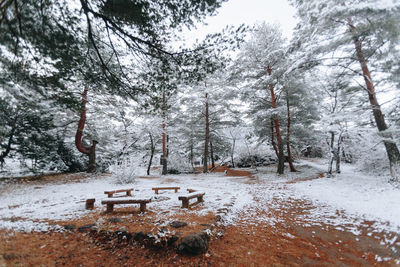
(262, 58)
(367, 33)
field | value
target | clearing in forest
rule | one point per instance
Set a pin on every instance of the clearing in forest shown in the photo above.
(260, 219)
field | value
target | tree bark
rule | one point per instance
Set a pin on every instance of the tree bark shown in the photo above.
(391, 147)
(281, 158)
(164, 137)
(5, 153)
(207, 139)
(338, 153)
(332, 154)
(92, 157)
(152, 149)
(191, 154)
(212, 156)
(233, 151)
(90, 151)
(290, 159)
(273, 138)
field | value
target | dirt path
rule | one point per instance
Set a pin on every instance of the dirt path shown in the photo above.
(279, 230)
(282, 235)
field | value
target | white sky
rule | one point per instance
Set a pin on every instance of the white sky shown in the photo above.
(236, 12)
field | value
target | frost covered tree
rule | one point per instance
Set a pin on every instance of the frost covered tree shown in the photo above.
(59, 30)
(366, 39)
(338, 105)
(263, 62)
(52, 48)
(26, 132)
(265, 74)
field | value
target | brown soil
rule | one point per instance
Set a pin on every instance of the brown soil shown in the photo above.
(232, 172)
(286, 242)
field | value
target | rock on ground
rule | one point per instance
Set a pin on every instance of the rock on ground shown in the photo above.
(193, 244)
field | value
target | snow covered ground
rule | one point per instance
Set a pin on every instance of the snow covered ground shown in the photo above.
(24, 207)
(345, 201)
(368, 197)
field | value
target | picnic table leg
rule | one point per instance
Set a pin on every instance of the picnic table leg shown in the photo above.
(142, 207)
(110, 207)
(185, 203)
(110, 194)
(200, 199)
(176, 190)
(128, 193)
(156, 191)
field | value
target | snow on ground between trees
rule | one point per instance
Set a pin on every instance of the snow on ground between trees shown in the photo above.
(24, 206)
(345, 202)
(368, 197)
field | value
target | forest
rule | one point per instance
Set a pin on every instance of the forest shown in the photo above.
(110, 94)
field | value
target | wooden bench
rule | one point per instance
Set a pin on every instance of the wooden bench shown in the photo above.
(111, 202)
(111, 193)
(185, 199)
(156, 189)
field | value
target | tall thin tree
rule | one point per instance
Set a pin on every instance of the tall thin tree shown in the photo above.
(281, 157)
(206, 138)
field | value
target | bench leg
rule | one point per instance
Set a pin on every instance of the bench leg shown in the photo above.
(156, 191)
(90, 203)
(142, 207)
(200, 199)
(185, 203)
(110, 207)
(128, 193)
(176, 190)
(110, 194)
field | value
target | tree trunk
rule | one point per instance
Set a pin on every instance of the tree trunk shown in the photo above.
(212, 156)
(273, 138)
(391, 147)
(90, 151)
(207, 139)
(338, 153)
(152, 149)
(331, 154)
(164, 137)
(232, 152)
(281, 157)
(92, 158)
(5, 153)
(191, 154)
(290, 159)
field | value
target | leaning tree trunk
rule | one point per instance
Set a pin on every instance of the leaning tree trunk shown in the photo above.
(391, 147)
(152, 149)
(90, 151)
(207, 139)
(290, 159)
(164, 140)
(281, 157)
